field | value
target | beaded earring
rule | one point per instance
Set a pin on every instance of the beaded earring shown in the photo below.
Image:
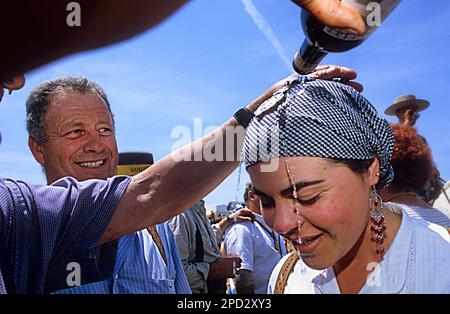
(377, 223)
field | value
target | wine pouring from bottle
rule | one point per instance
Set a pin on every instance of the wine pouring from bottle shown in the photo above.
(321, 39)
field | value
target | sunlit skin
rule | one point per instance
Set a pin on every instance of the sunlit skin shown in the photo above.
(15, 83)
(79, 129)
(333, 203)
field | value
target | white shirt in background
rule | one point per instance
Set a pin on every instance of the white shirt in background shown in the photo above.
(255, 244)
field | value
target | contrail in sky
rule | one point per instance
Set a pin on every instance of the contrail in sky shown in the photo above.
(264, 28)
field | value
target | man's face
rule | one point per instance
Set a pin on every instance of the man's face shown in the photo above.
(80, 138)
(407, 115)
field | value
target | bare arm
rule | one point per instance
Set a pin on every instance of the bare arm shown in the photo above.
(39, 32)
(172, 185)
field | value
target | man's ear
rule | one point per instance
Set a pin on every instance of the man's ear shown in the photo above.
(251, 195)
(36, 150)
(374, 172)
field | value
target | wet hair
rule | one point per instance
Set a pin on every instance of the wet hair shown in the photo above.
(40, 98)
(411, 160)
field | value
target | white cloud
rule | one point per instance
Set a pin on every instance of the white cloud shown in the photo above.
(266, 30)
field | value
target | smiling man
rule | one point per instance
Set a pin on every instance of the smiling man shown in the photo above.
(71, 133)
(70, 127)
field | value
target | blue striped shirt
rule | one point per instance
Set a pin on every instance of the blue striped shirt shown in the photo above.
(2, 285)
(43, 228)
(140, 268)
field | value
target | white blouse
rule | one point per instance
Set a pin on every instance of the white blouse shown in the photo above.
(418, 261)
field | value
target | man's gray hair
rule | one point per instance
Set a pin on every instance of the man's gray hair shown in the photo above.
(39, 100)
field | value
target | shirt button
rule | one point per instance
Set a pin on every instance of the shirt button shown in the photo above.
(116, 276)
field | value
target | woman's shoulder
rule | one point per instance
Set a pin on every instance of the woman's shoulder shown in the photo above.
(426, 231)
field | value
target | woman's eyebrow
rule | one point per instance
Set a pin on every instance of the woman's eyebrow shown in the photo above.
(288, 191)
(299, 185)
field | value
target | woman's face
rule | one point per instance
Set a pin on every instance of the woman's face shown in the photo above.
(332, 201)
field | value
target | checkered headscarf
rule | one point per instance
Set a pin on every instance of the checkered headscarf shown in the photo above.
(320, 118)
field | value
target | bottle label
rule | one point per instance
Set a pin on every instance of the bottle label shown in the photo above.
(373, 12)
(342, 34)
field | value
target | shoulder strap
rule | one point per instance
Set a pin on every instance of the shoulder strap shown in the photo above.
(157, 239)
(284, 273)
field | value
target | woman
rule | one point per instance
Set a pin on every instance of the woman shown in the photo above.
(316, 154)
(413, 167)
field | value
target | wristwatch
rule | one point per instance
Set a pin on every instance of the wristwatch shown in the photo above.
(244, 116)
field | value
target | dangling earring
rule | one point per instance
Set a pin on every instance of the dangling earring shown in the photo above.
(377, 224)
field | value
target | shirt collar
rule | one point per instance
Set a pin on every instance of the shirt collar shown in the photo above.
(394, 266)
(389, 275)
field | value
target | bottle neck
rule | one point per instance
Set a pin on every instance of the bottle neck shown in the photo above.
(308, 57)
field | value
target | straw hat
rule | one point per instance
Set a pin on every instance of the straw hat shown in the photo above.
(406, 101)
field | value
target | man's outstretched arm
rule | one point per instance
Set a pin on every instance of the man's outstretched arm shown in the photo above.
(177, 181)
(38, 32)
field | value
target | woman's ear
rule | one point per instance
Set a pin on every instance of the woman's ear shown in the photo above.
(373, 173)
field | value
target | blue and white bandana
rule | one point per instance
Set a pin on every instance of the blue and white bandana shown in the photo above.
(319, 118)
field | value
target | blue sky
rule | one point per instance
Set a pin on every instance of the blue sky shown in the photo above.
(210, 58)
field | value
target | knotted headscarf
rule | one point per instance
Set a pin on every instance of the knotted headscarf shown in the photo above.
(318, 118)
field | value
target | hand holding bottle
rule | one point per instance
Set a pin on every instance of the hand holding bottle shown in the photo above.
(334, 13)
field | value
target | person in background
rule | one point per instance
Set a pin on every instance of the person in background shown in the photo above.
(259, 247)
(413, 168)
(442, 202)
(407, 108)
(198, 242)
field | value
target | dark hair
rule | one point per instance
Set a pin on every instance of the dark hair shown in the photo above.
(411, 160)
(248, 188)
(357, 166)
(39, 100)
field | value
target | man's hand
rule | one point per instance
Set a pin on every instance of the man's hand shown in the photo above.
(241, 215)
(334, 13)
(329, 72)
(225, 267)
(323, 72)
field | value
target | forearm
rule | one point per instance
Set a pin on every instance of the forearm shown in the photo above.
(196, 275)
(244, 282)
(177, 181)
(39, 24)
(173, 184)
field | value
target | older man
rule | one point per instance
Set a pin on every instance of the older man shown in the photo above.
(71, 133)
